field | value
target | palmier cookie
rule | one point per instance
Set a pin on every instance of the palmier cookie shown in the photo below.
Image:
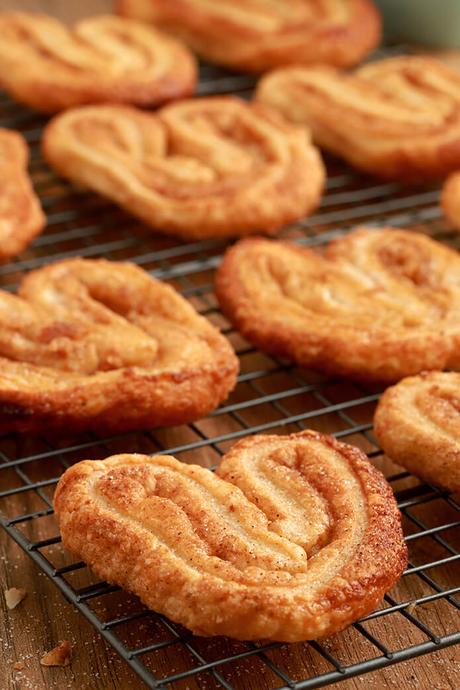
(397, 118)
(417, 423)
(208, 167)
(450, 199)
(379, 305)
(258, 35)
(293, 538)
(21, 216)
(104, 59)
(97, 344)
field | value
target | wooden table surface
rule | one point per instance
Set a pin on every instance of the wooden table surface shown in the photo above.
(45, 618)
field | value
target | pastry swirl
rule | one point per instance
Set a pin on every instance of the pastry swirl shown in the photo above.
(417, 423)
(257, 35)
(397, 118)
(104, 59)
(295, 538)
(21, 216)
(97, 344)
(201, 168)
(380, 305)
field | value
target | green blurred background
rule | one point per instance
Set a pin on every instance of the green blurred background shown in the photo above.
(434, 23)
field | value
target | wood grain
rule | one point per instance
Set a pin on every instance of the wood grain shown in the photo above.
(44, 618)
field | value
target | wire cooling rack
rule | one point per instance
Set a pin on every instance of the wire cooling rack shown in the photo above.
(419, 616)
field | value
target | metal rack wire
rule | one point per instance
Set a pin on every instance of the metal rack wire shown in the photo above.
(271, 396)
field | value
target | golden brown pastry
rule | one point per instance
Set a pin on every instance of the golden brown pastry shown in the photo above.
(294, 538)
(450, 199)
(256, 35)
(208, 167)
(417, 423)
(379, 305)
(104, 59)
(397, 118)
(97, 344)
(21, 216)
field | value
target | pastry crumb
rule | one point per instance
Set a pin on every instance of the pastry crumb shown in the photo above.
(14, 596)
(19, 665)
(59, 656)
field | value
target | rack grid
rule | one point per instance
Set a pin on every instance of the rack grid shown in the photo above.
(271, 396)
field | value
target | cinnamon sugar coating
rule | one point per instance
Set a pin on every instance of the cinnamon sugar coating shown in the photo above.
(208, 167)
(397, 118)
(378, 305)
(93, 344)
(257, 35)
(102, 59)
(417, 423)
(21, 216)
(293, 538)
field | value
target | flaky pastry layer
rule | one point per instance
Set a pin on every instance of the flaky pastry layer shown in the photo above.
(102, 59)
(417, 423)
(200, 168)
(293, 538)
(397, 118)
(258, 35)
(102, 345)
(379, 305)
(21, 216)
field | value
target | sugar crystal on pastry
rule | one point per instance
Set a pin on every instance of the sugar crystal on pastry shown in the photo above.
(379, 304)
(208, 167)
(417, 423)
(295, 537)
(397, 118)
(93, 344)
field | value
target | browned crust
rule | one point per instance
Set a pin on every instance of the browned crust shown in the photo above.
(240, 42)
(417, 423)
(21, 216)
(131, 402)
(48, 387)
(256, 171)
(46, 79)
(317, 602)
(450, 199)
(396, 118)
(371, 350)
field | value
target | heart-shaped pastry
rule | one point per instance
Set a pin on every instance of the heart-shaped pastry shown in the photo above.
(397, 118)
(379, 305)
(104, 59)
(293, 538)
(417, 423)
(257, 35)
(21, 216)
(200, 168)
(98, 344)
